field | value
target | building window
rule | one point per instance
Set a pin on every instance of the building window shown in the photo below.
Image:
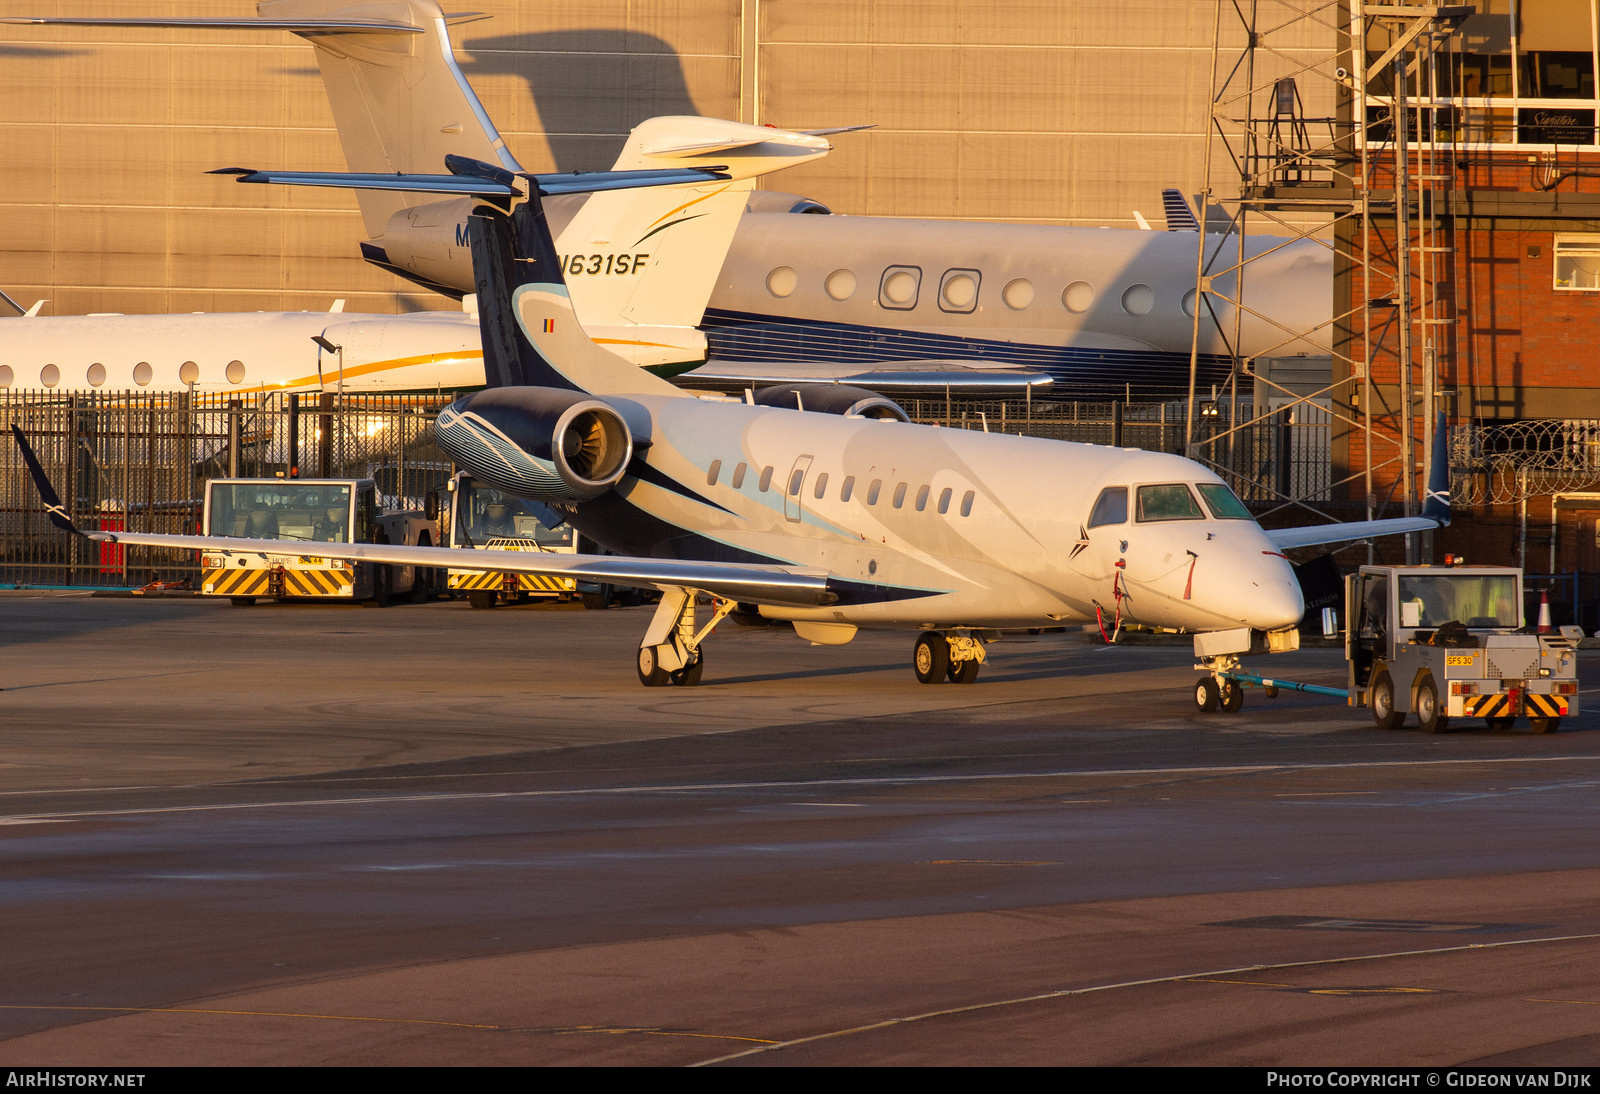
(1577, 262)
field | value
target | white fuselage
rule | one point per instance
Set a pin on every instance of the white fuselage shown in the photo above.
(938, 528)
(241, 353)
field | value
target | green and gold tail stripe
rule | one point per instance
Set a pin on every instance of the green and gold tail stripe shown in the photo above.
(1546, 706)
(236, 583)
(317, 582)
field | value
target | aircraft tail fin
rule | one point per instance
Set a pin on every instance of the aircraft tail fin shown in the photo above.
(400, 102)
(646, 260)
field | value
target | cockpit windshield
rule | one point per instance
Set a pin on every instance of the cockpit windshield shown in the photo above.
(1169, 501)
(1223, 503)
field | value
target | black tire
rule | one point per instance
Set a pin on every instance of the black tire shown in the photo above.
(963, 672)
(1207, 696)
(482, 598)
(689, 675)
(597, 601)
(382, 582)
(1380, 697)
(1430, 715)
(1502, 721)
(1544, 725)
(930, 658)
(242, 601)
(1233, 697)
(651, 674)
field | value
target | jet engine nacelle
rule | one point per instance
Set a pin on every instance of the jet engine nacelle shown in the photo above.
(852, 402)
(540, 443)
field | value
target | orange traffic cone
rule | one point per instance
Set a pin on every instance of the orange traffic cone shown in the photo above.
(1544, 613)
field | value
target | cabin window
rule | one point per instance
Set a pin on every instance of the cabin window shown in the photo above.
(738, 476)
(796, 478)
(1017, 294)
(966, 503)
(872, 491)
(97, 374)
(782, 281)
(958, 291)
(900, 496)
(143, 374)
(235, 372)
(1078, 297)
(944, 501)
(1223, 503)
(766, 479)
(1169, 501)
(848, 488)
(822, 486)
(50, 376)
(1138, 299)
(7, 377)
(899, 287)
(922, 498)
(188, 373)
(840, 284)
(1111, 507)
(712, 472)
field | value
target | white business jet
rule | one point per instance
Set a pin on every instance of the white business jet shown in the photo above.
(831, 521)
(645, 304)
(889, 302)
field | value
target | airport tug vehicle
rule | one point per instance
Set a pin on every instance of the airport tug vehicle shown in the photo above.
(292, 516)
(481, 517)
(1445, 642)
(1440, 642)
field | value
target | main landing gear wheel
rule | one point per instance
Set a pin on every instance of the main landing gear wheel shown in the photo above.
(963, 672)
(1232, 698)
(931, 658)
(1381, 698)
(651, 674)
(689, 675)
(1207, 696)
(1429, 714)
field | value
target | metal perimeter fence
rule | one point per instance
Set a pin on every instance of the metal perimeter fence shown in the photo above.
(139, 461)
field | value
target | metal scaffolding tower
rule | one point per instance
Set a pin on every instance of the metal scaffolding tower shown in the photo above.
(1309, 113)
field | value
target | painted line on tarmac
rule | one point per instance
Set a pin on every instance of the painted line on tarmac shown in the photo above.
(783, 784)
(1065, 993)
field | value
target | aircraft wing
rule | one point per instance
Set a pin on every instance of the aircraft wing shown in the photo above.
(1435, 509)
(1316, 534)
(733, 581)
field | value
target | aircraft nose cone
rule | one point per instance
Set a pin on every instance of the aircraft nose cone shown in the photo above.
(1272, 600)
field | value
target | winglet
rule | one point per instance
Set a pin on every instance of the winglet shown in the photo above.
(1436, 504)
(47, 493)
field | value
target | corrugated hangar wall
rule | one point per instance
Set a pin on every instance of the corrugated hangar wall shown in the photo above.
(1031, 110)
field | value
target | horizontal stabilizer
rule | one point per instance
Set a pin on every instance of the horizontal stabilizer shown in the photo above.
(475, 185)
(294, 26)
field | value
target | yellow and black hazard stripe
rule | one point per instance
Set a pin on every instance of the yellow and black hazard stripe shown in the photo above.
(1546, 706)
(318, 582)
(237, 583)
(472, 581)
(1489, 706)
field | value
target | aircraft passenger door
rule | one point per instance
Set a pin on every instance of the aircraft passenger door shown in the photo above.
(793, 486)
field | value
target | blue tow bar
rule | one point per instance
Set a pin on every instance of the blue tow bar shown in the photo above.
(1285, 685)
